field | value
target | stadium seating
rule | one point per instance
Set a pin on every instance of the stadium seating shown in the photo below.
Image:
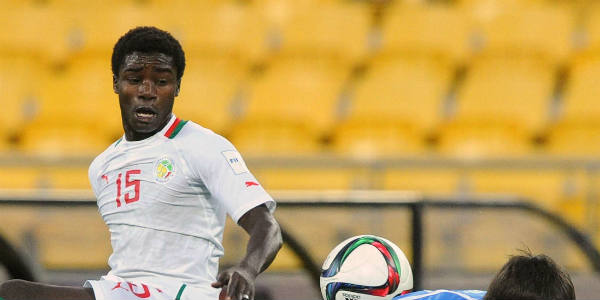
(438, 32)
(580, 103)
(481, 140)
(21, 177)
(279, 138)
(535, 31)
(307, 178)
(223, 30)
(81, 96)
(62, 140)
(410, 89)
(301, 91)
(61, 245)
(67, 178)
(430, 181)
(209, 90)
(20, 84)
(545, 187)
(372, 138)
(574, 139)
(326, 30)
(510, 90)
(590, 44)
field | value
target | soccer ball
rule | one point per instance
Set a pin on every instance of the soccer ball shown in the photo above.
(365, 267)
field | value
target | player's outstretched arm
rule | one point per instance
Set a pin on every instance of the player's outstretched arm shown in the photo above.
(264, 243)
(25, 290)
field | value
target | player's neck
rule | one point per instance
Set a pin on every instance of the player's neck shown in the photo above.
(131, 135)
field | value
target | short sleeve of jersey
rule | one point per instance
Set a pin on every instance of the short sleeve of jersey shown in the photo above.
(215, 161)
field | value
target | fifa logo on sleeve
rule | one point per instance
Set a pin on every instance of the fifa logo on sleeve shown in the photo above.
(164, 170)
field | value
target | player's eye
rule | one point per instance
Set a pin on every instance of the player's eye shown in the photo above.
(133, 80)
(162, 81)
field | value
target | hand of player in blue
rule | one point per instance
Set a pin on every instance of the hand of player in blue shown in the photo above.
(237, 283)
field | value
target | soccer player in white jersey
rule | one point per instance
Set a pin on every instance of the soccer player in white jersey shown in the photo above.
(164, 190)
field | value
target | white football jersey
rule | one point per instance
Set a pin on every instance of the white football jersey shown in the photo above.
(165, 199)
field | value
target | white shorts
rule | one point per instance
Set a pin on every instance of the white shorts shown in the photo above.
(123, 290)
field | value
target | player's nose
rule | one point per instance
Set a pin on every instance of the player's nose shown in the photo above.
(147, 90)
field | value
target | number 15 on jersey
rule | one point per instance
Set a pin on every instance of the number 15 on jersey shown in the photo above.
(128, 182)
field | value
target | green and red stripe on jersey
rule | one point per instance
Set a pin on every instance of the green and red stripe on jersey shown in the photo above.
(175, 128)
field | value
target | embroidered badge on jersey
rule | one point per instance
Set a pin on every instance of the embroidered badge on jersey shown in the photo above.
(164, 170)
(235, 161)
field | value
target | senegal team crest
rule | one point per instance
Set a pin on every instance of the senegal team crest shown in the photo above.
(164, 170)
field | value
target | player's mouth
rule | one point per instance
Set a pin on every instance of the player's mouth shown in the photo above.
(145, 114)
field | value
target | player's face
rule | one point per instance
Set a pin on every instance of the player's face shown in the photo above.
(147, 86)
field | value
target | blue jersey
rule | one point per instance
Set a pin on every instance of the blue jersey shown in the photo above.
(443, 295)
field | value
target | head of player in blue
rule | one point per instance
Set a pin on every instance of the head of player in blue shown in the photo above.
(147, 66)
(531, 277)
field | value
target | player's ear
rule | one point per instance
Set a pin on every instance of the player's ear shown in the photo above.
(115, 85)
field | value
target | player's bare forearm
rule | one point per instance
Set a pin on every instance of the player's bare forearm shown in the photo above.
(265, 238)
(264, 243)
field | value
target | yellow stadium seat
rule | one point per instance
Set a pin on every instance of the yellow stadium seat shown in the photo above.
(269, 137)
(580, 102)
(545, 187)
(440, 32)
(21, 178)
(68, 178)
(37, 31)
(309, 178)
(64, 139)
(436, 181)
(372, 138)
(208, 94)
(487, 242)
(209, 30)
(413, 90)
(591, 31)
(17, 223)
(96, 30)
(298, 91)
(83, 96)
(20, 84)
(74, 239)
(476, 140)
(517, 91)
(327, 30)
(540, 31)
(574, 139)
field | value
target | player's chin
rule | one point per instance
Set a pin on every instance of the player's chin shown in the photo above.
(145, 127)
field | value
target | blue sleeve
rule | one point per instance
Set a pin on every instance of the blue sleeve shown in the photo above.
(443, 295)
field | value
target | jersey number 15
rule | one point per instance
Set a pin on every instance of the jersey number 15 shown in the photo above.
(128, 183)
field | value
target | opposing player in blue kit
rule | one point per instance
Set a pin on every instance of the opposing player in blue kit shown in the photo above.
(164, 190)
(523, 277)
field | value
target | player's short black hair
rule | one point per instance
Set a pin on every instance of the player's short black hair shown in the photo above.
(531, 277)
(148, 39)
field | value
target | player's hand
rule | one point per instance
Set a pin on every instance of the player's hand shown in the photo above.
(237, 283)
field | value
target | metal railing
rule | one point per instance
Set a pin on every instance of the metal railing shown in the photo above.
(416, 203)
